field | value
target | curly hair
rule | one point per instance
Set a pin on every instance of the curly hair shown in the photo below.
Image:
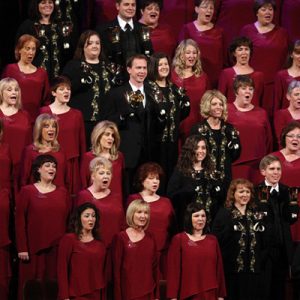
(179, 63)
(230, 199)
(187, 156)
(238, 42)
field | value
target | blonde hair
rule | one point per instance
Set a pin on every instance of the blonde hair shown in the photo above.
(205, 104)
(96, 136)
(133, 207)
(179, 63)
(99, 162)
(40, 122)
(4, 83)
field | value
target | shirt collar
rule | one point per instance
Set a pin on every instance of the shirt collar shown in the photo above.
(122, 23)
(276, 187)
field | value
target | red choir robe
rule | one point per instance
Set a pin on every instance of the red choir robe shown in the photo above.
(6, 166)
(290, 11)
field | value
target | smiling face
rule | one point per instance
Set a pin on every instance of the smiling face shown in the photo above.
(150, 14)
(242, 55)
(49, 130)
(126, 9)
(201, 151)
(189, 56)
(199, 220)
(140, 217)
(107, 139)
(92, 47)
(292, 140)
(163, 68)
(272, 173)
(216, 108)
(46, 7)
(294, 98)
(47, 171)
(242, 195)
(27, 52)
(151, 183)
(102, 177)
(205, 12)
(62, 94)
(265, 14)
(138, 71)
(88, 220)
(10, 94)
(244, 95)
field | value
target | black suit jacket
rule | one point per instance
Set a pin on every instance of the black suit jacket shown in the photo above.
(137, 127)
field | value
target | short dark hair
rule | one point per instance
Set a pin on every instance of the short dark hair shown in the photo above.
(130, 60)
(288, 128)
(75, 225)
(144, 170)
(198, 2)
(144, 3)
(187, 222)
(58, 81)
(34, 13)
(260, 3)
(238, 42)
(153, 65)
(292, 47)
(242, 80)
(38, 162)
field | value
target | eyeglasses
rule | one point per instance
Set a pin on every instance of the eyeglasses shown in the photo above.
(293, 136)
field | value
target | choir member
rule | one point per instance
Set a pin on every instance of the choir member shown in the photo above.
(194, 179)
(222, 138)
(41, 215)
(17, 125)
(135, 266)
(270, 46)
(290, 10)
(286, 76)
(281, 210)
(33, 80)
(177, 108)
(54, 37)
(162, 217)
(90, 78)
(45, 134)
(248, 118)
(161, 34)
(81, 257)
(71, 136)
(187, 73)
(105, 140)
(195, 268)
(105, 199)
(241, 233)
(284, 116)
(209, 38)
(240, 50)
(289, 157)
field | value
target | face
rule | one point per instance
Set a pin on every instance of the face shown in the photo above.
(201, 151)
(292, 140)
(205, 12)
(138, 71)
(272, 173)
(294, 98)
(126, 9)
(296, 57)
(102, 177)
(242, 195)
(151, 14)
(92, 47)
(46, 7)
(216, 108)
(27, 52)
(62, 94)
(47, 171)
(242, 55)
(49, 131)
(190, 56)
(199, 220)
(107, 139)
(244, 95)
(151, 183)
(88, 219)
(140, 218)
(163, 68)
(265, 14)
(11, 94)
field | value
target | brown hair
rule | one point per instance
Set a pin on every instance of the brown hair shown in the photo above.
(22, 40)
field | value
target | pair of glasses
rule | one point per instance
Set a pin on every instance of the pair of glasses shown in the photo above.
(292, 136)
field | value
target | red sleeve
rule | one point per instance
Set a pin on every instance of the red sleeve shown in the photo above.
(174, 267)
(84, 171)
(117, 257)
(26, 163)
(220, 272)
(279, 124)
(63, 260)
(268, 134)
(82, 141)
(278, 92)
(222, 86)
(46, 92)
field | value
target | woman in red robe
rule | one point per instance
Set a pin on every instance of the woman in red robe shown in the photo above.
(209, 38)
(135, 266)
(162, 216)
(285, 77)
(71, 135)
(42, 210)
(289, 157)
(33, 80)
(44, 141)
(105, 140)
(290, 11)
(284, 116)
(240, 52)
(188, 73)
(247, 119)
(81, 257)
(17, 127)
(195, 268)
(270, 47)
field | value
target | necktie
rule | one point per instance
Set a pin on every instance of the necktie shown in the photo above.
(127, 27)
(274, 193)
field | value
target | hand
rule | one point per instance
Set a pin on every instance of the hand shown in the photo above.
(23, 255)
(220, 298)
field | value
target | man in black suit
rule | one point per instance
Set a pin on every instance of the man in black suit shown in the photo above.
(280, 212)
(138, 114)
(124, 37)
